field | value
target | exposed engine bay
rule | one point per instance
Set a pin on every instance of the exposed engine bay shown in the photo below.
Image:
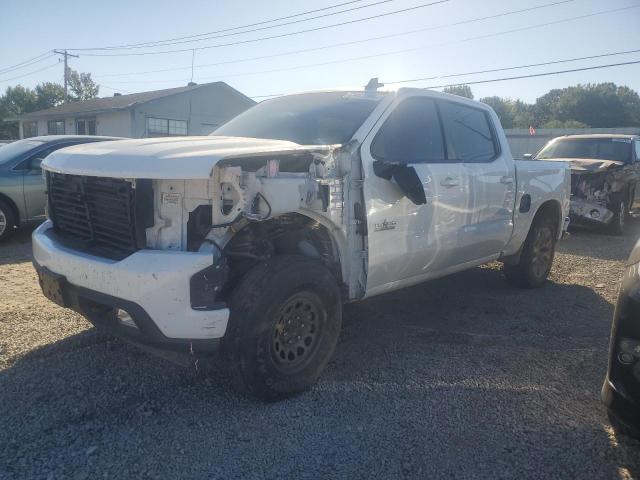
(255, 207)
(597, 189)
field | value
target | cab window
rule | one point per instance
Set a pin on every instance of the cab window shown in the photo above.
(469, 133)
(411, 134)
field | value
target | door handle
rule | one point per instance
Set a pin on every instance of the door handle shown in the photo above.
(507, 179)
(450, 182)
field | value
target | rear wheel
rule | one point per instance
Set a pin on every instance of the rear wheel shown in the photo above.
(286, 315)
(536, 258)
(7, 220)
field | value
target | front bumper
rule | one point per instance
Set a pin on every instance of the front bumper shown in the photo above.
(621, 389)
(152, 286)
(583, 211)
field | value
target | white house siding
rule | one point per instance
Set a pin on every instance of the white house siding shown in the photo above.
(114, 124)
(203, 108)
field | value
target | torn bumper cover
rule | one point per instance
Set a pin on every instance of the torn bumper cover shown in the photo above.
(144, 297)
(583, 210)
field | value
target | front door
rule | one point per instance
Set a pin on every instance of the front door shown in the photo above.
(409, 242)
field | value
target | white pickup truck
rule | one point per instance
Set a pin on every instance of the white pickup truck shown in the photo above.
(248, 241)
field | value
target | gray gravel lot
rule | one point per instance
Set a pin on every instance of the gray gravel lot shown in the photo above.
(462, 377)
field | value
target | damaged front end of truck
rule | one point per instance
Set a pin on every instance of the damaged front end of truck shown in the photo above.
(154, 253)
(600, 189)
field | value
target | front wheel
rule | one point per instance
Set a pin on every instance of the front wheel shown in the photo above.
(286, 315)
(536, 258)
(618, 222)
(7, 220)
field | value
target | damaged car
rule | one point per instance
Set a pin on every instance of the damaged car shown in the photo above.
(247, 243)
(605, 170)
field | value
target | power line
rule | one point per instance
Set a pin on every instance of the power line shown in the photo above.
(343, 44)
(533, 75)
(225, 29)
(30, 73)
(281, 35)
(210, 35)
(503, 79)
(26, 63)
(517, 67)
(405, 50)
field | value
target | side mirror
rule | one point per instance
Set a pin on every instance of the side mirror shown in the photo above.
(35, 164)
(405, 177)
(528, 156)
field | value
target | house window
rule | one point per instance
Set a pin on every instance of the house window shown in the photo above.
(163, 127)
(55, 127)
(29, 129)
(86, 126)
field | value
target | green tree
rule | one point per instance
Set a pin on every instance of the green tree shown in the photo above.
(18, 100)
(503, 108)
(81, 86)
(460, 90)
(48, 95)
(15, 101)
(595, 105)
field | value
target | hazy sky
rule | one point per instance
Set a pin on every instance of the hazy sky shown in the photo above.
(29, 28)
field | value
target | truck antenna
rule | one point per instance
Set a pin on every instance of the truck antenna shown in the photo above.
(371, 88)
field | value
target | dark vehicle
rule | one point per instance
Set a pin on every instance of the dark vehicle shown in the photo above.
(605, 171)
(22, 189)
(621, 389)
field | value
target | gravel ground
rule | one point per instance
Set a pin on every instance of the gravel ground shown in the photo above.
(460, 377)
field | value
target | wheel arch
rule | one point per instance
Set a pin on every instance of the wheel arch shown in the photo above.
(294, 233)
(553, 209)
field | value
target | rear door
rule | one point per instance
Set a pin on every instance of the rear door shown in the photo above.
(472, 139)
(408, 242)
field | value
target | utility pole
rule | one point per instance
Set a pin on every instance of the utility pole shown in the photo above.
(65, 54)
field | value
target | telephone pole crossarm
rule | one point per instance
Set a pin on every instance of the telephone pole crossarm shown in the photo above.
(66, 55)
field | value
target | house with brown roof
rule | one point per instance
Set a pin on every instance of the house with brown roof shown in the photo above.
(191, 110)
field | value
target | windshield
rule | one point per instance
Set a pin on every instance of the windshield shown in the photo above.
(597, 148)
(307, 119)
(11, 150)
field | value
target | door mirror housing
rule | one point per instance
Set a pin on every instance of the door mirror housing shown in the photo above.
(35, 164)
(405, 177)
(528, 156)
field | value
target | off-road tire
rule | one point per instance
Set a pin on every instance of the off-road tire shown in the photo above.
(286, 315)
(7, 220)
(536, 257)
(618, 223)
